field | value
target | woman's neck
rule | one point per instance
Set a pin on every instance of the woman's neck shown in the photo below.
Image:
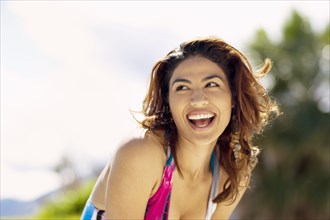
(194, 159)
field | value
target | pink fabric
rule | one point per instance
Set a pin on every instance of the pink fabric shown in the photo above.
(159, 203)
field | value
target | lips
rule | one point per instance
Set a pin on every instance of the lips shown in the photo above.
(200, 119)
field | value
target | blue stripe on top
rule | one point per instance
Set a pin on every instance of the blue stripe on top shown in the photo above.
(88, 211)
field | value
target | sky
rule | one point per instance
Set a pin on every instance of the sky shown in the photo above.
(71, 71)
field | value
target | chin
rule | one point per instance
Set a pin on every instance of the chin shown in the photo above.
(203, 139)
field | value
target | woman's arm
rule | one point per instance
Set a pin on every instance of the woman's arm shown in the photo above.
(98, 194)
(136, 169)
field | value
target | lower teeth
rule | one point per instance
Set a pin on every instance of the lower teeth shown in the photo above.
(201, 123)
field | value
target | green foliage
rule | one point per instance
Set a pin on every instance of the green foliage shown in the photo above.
(69, 205)
(292, 179)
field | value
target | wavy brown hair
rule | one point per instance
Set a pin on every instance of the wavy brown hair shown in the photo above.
(252, 105)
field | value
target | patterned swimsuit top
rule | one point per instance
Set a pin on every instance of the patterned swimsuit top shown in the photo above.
(158, 204)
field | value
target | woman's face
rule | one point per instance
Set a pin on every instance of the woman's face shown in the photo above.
(200, 100)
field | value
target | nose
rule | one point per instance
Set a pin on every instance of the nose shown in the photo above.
(198, 99)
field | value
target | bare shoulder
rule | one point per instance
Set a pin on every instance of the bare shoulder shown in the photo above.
(135, 170)
(145, 149)
(225, 209)
(145, 156)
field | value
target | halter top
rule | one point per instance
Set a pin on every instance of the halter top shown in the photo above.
(158, 204)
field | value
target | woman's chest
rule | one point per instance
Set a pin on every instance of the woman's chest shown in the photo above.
(189, 200)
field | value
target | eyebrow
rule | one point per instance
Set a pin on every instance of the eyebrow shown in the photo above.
(212, 76)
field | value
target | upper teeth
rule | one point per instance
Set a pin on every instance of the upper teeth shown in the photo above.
(200, 116)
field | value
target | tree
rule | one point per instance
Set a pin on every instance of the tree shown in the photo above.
(292, 179)
(68, 205)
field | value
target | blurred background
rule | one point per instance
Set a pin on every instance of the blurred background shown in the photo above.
(71, 71)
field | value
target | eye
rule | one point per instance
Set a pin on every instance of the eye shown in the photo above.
(212, 84)
(180, 88)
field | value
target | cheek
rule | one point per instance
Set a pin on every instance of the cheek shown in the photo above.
(177, 107)
(222, 100)
(227, 108)
(224, 105)
(174, 105)
(226, 115)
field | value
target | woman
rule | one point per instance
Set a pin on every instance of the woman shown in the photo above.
(195, 159)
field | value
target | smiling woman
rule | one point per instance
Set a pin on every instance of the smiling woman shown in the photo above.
(202, 108)
(200, 92)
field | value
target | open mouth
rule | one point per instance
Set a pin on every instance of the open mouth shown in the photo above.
(201, 120)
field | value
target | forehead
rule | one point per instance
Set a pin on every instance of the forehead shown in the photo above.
(197, 67)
